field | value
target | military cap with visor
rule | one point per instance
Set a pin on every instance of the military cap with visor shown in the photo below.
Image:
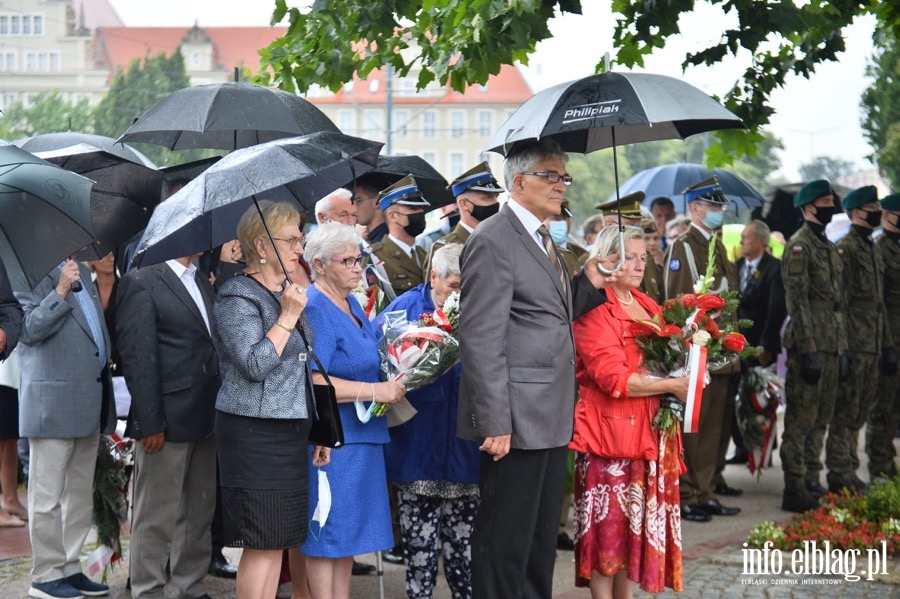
(708, 190)
(631, 206)
(477, 178)
(404, 192)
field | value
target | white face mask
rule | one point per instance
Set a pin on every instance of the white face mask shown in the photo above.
(559, 231)
(323, 507)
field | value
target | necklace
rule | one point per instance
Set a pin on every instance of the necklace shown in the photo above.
(623, 302)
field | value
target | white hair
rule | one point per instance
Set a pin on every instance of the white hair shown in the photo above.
(324, 206)
(445, 261)
(328, 240)
(526, 155)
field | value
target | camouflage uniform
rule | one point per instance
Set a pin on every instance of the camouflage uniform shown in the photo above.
(812, 272)
(863, 283)
(884, 415)
(704, 452)
(403, 271)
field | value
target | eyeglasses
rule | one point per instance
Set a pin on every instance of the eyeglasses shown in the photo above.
(552, 177)
(350, 262)
(291, 241)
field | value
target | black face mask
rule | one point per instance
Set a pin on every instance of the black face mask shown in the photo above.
(482, 213)
(873, 219)
(415, 224)
(453, 218)
(824, 214)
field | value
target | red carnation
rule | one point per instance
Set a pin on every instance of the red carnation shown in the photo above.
(735, 342)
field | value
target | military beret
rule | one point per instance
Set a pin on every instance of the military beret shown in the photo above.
(707, 190)
(858, 197)
(405, 192)
(631, 205)
(891, 202)
(812, 191)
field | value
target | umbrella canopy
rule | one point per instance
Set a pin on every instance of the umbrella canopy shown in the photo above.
(226, 116)
(778, 210)
(122, 198)
(609, 109)
(205, 212)
(45, 216)
(432, 184)
(670, 180)
(47, 142)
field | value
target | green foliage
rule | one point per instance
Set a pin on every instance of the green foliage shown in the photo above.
(882, 502)
(881, 106)
(48, 113)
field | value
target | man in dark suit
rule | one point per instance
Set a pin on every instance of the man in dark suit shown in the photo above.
(517, 393)
(762, 301)
(172, 372)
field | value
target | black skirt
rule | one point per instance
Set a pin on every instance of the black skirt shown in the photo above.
(9, 413)
(264, 475)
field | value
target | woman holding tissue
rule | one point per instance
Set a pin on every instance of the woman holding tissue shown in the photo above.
(348, 509)
(627, 516)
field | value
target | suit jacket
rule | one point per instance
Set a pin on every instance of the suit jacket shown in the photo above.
(11, 315)
(61, 392)
(168, 357)
(403, 271)
(516, 345)
(763, 302)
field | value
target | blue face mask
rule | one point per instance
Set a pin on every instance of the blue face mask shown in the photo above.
(714, 220)
(559, 231)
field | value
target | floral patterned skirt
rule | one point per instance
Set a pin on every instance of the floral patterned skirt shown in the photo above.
(628, 517)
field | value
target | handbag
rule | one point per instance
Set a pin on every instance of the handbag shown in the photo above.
(327, 429)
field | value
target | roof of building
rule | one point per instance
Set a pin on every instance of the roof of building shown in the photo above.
(96, 13)
(233, 46)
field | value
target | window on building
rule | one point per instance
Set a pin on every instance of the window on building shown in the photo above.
(401, 124)
(195, 59)
(37, 22)
(55, 61)
(348, 87)
(14, 26)
(430, 158)
(9, 98)
(373, 124)
(4, 25)
(346, 121)
(456, 164)
(31, 61)
(43, 61)
(373, 85)
(26, 24)
(8, 61)
(485, 123)
(457, 124)
(429, 124)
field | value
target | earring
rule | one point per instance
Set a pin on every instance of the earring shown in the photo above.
(262, 260)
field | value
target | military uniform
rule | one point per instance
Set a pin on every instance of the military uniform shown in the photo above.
(885, 413)
(812, 272)
(651, 284)
(704, 452)
(459, 234)
(403, 271)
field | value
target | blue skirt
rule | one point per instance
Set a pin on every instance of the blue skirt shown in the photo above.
(360, 517)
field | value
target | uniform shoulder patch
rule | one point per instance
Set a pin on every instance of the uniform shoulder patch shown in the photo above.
(840, 251)
(674, 264)
(797, 249)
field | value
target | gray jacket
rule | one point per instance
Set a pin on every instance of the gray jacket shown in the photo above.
(256, 381)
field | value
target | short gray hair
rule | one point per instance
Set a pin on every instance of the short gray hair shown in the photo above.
(445, 261)
(608, 240)
(681, 220)
(327, 240)
(525, 156)
(761, 230)
(325, 204)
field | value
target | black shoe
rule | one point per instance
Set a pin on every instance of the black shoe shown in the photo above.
(714, 508)
(739, 457)
(394, 556)
(360, 569)
(564, 542)
(220, 568)
(724, 489)
(694, 514)
(816, 489)
(797, 499)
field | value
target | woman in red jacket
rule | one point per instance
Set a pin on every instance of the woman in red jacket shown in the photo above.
(627, 516)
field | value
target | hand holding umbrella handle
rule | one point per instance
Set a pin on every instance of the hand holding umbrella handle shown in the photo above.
(621, 263)
(76, 286)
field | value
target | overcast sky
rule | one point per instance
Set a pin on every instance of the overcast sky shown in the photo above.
(817, 117)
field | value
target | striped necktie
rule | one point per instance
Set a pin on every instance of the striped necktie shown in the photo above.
(554, 257)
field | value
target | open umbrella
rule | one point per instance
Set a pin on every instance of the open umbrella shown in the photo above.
(604, 110)
(47, 142)
(671, 180)
(45, 216)
(205, 212)
(122, 198)
(432, 184)
(226, 116)
(778, 210)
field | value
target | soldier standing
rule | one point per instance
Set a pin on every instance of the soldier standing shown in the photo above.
(686, 262)
(884, 415)
(867, 335)
(816, 340)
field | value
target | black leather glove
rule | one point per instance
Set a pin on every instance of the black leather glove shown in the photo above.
(810, 368)
(845, 364)
(888, 361)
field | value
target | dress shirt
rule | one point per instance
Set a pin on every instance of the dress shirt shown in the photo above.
(187, 274)
(750, 267)
(529, 221)
(93, 319)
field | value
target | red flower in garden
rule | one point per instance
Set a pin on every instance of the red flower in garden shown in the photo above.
(734, 342)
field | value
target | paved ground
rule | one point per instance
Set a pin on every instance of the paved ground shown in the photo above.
(713, 561)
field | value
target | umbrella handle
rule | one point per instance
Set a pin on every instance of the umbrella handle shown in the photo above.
(621, 255)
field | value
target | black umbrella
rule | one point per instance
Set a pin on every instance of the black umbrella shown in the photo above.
(45, 216)
(205, 212)
(670, 180)
(226, 116)
(123, 196)
(47, 142)
(431, 183)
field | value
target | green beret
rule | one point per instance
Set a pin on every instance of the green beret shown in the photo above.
(811, 192)
(891, 202)
(858, 197)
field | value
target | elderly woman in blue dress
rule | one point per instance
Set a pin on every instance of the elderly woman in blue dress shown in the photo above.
(435, 472)
(359, 520)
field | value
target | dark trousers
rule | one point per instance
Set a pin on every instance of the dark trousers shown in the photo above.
(514, 541)
(702, 449)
